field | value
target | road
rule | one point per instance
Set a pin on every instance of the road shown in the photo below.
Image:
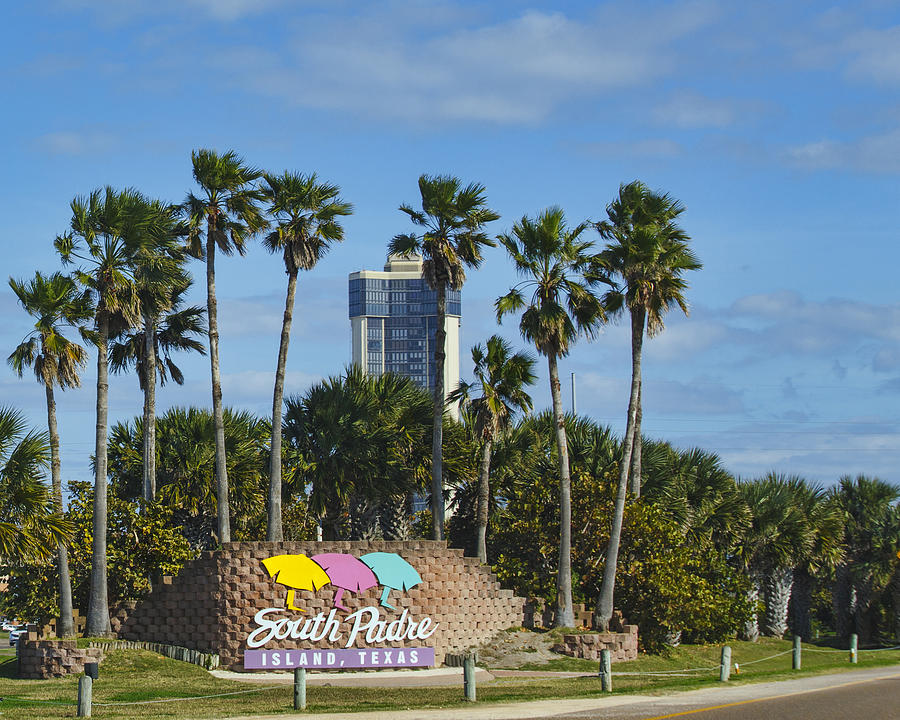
(872, 698)
(871, 694)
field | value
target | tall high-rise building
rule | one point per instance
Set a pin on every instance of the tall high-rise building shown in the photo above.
(393, 320)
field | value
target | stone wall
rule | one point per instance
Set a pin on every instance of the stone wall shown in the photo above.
(621, 645)
(211, 604)
(42, 659)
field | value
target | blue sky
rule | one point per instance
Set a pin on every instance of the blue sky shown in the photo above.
(777, 125)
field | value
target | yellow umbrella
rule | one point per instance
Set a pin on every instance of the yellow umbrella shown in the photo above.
(297, 572)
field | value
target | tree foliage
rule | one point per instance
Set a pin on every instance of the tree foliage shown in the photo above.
(142, 544)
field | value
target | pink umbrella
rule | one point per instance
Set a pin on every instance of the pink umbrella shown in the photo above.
(346, 573)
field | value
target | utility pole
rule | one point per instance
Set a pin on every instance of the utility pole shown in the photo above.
(574, 408)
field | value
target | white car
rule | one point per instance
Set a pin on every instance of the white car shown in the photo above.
(8, 625)
(15, 633)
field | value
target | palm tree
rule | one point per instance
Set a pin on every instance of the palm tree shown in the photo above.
(868, 510)
(167, 327)
(362, 440)
(780, 538)
(827, 525)
(31, 527)
(695, 489)
(306, 212)
(187, 477)
(226, 214)
(552, 259)
(56, 304)
(648, 251)
(109, 229)
(453, 218)
(502, 377)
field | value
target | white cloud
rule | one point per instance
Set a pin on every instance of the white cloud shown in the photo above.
(230, 10)
(873, 153)
(876, 54)
(77, 142)
(240, 317)
(383, 63)
(115, 12)
(660, 148)
(700, 396)
(687, 338)
(690, 110)
(254, 388)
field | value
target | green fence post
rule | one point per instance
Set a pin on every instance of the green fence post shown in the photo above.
(85, 688)
(725, 664)
(605, 670)
(469, 677)
(854, 645)
(797, 651)
(299, 688)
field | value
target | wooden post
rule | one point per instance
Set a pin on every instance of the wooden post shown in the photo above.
(299, 688)
(605, 670)
(854, 640)
(85, 688)
(469, 677)
(725, 664)
(797, 653)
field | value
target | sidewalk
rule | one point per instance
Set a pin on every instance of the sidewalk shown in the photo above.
(622, 705)
(431, 677)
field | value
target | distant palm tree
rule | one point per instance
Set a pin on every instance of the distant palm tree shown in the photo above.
(871, 522)
(57, 305)
(780, 537)
(695, 489)
(31, 527)
(109, 229)
(502, 377)
(167, 327)
(453, 218)
(225, 214)
(306, 213)
(362, 440)
(187, 461)
(827, 525)
(562, 305)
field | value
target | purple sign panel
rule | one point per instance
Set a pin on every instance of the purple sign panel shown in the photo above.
(339, 658)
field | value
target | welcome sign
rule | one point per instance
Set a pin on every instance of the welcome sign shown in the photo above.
(364, 627)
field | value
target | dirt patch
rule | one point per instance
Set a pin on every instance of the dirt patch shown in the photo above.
(514, 648)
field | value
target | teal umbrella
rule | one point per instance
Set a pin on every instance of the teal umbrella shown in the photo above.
(393, 572)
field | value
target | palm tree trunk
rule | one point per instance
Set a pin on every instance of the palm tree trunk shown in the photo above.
(149, 410)
(224, 521)
(437, 434)
(843, 602)
(98, 600)
(604, 609)
(633, 424)
(801, 605)
(484, 496)
(864, 596)
(66, 627)
(565, 613)
(895, 590)
(776, 593)
(274, 532)
(364, 523)
(637, 445)
(750, 631)
(394, 513)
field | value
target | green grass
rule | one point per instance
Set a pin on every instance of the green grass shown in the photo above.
(134, 676)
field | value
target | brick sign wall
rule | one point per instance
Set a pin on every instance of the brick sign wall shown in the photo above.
(210, 606)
